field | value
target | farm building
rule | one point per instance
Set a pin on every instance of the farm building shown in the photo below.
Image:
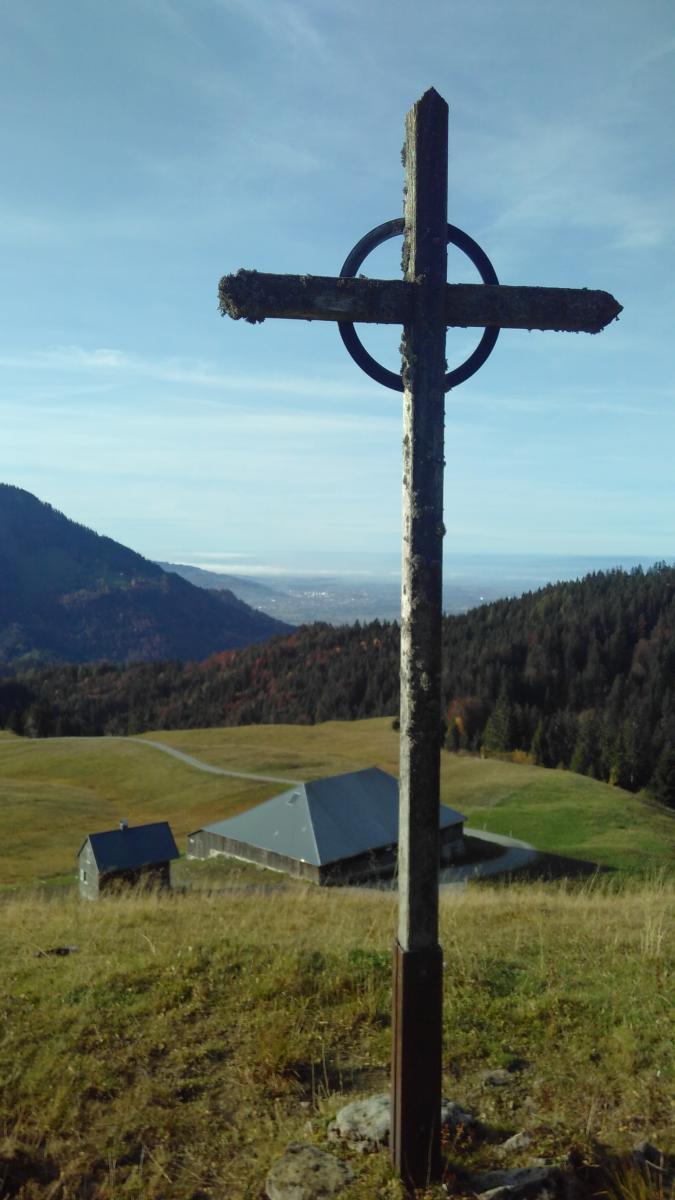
(335, 830)
(126, 856)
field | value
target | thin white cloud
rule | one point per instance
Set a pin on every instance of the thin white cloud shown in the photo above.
(283, 22)
(272, 570)
(54, 228)
(220, 554)
(19, 226)
(105, 360)
(566, 173)
(235, 432)
(239, 566)
(569, 401)
(654, 55)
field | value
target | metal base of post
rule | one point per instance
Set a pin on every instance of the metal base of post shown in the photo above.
(416, 1065)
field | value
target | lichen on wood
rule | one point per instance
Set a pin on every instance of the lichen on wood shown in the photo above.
(254, 295)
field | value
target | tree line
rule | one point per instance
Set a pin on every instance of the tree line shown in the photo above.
(578, 674)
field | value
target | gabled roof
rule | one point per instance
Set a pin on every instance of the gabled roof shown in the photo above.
(135, 846)
(327, 819)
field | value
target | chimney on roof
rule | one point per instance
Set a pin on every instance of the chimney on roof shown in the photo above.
(124, 825)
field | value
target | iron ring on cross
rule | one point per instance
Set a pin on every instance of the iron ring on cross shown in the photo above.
(480, 260)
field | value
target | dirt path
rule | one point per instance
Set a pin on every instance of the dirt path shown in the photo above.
(202, 766)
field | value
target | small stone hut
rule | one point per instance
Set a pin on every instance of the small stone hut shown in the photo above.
(336, 830)
(125, 857)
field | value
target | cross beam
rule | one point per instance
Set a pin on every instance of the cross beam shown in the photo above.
(425, 304)
(253, 296)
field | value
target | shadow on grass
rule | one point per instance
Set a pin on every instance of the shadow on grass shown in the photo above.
(480, 849)
(551, 867)
(328, 1078)
(22, 1169)
(643, 1173)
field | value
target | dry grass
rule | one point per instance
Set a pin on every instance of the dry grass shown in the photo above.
(192, 1037)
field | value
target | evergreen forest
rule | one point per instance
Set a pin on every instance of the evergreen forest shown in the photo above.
(579, 674)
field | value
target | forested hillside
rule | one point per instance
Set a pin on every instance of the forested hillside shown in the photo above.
(578, 674)
(68, 594)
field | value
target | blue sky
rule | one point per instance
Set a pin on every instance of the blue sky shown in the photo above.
(150, 146)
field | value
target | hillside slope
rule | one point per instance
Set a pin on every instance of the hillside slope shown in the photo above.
(578, 675)
(69, 594)
(258, 595)
(192, 1037)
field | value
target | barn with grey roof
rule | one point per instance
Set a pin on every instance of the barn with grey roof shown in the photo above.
(126, 856)
(335, 830)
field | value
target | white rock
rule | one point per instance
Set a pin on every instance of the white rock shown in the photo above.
(519, 1141)
(307, 1173)
(365, 1124)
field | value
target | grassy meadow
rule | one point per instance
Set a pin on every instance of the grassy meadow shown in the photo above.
(556, 811)
(192, 1037)
(55, 791)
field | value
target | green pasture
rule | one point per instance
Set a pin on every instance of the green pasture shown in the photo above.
(192, 1037)
(561, 812)
(557, 811)
(292, 751)
(56, 791)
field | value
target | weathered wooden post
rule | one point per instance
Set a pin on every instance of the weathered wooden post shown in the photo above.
(425, 304)
(418, 961)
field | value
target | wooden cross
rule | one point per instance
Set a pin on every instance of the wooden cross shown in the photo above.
(425, 304)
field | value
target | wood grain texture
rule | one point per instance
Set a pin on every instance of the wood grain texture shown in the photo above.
(423, 357)
(417, 1020)
(254, 296)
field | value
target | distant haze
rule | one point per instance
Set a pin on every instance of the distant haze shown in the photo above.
(542, 568)
(360, 588)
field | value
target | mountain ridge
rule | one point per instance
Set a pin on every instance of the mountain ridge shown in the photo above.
(249, 590)
(70, 594)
